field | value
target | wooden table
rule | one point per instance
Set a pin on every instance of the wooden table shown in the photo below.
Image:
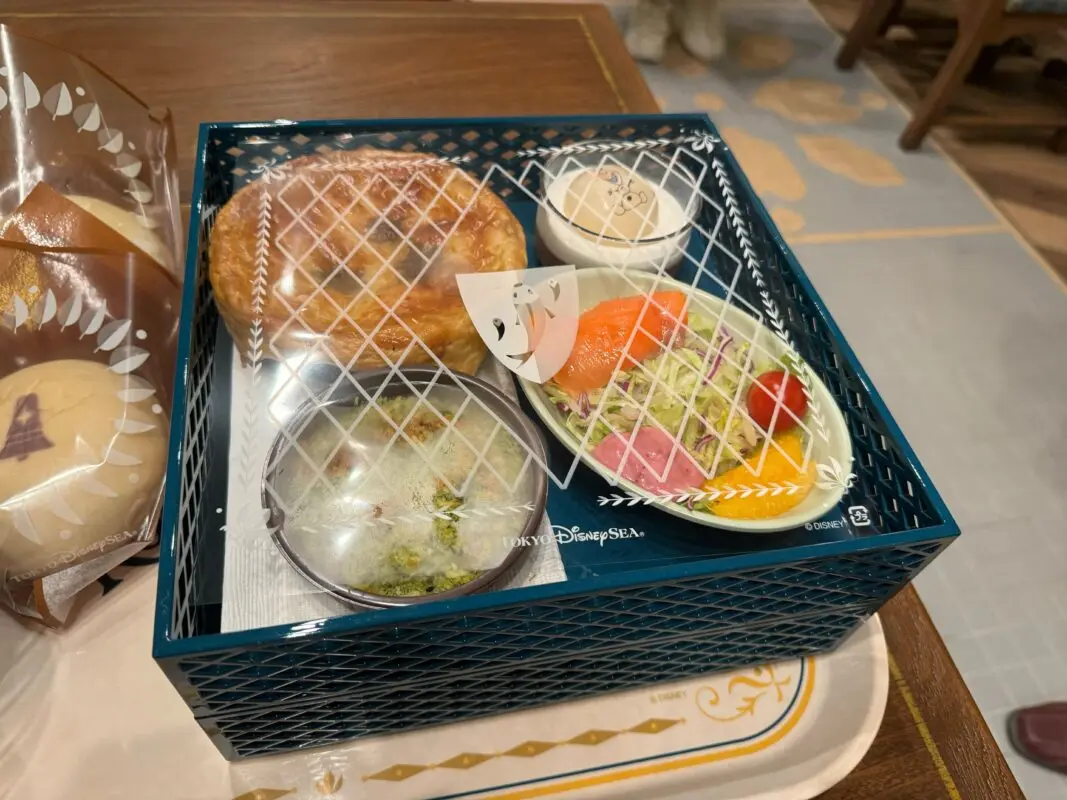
(237, 59)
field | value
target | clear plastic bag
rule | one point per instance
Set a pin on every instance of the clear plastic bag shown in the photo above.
(89, 301)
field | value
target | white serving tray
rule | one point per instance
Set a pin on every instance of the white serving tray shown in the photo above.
(102, 722)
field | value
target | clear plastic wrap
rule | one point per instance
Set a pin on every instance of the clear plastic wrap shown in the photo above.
(89, 300)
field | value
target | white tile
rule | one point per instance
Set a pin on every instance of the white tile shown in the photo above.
(998, 726)
(980, 611)
(999, 647)
(968, 653)
(1031, 644)
(989, 693)
(1037, 782)
(1051, 677)
(1055, 633)
(1021, 686)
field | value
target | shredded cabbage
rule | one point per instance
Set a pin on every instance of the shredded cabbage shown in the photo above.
(710, 378)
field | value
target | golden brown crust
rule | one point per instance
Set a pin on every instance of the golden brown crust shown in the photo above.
(353, 231)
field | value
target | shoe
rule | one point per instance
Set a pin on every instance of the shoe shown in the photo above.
(650, 25)
(1039, 734)
(699, 24)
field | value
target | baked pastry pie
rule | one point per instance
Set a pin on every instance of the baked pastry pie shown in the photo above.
(362, 244)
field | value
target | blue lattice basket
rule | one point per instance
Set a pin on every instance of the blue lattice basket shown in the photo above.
(737, 601)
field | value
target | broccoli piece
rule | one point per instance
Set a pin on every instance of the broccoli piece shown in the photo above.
(420, 585)
(446, 533)
(407, 587)
(444, 528)
(445, 500)
(405, 559)
(453, 580)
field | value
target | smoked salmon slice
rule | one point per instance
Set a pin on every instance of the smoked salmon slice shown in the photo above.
(604, 330)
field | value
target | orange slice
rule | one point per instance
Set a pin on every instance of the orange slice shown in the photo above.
(777, 469)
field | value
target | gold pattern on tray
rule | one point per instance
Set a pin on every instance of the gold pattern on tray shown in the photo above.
(264, 794)
(528, 749)
(329, 783)
(749, 688)
(593, 737)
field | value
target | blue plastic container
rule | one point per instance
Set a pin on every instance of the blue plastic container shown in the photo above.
(735, 600)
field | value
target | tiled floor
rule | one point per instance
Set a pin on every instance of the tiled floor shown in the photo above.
(999, 596)
(962, 330)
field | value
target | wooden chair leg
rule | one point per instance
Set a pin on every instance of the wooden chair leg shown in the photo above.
(872, 17)
(974, 32)
(1058, 142)
(986, 62)
(891, 18)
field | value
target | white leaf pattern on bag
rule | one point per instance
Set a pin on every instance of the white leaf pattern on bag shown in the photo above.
(84, 451)
(110, 140)
(21, 312)
(133, 427)
(70, 312)
(61, 509)
(127, 359)
(91, 322)
(136, 395)
(3, 99)
(45, 310)
(58, 101)
(30, 92)
(128, 165)
(87, 117)
(25, 526)
(113, 334)
(95, 487)
(139, 191)
(119, 459)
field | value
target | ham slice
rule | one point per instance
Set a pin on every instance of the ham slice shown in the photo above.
(654, 448)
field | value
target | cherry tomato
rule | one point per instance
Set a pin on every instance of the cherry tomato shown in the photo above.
(763, 397)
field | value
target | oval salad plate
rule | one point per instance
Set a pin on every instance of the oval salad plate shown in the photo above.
(784, 732)
(712, 362)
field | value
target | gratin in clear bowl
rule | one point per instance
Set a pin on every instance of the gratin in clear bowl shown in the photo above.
(385, 490)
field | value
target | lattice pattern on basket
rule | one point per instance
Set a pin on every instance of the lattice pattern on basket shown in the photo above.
(883, 475)
(295, 238)
(503, 150)
(197, 432)
(298, 200)
(504, 146)
(522, 685)
(689, 167)
(477, 644)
